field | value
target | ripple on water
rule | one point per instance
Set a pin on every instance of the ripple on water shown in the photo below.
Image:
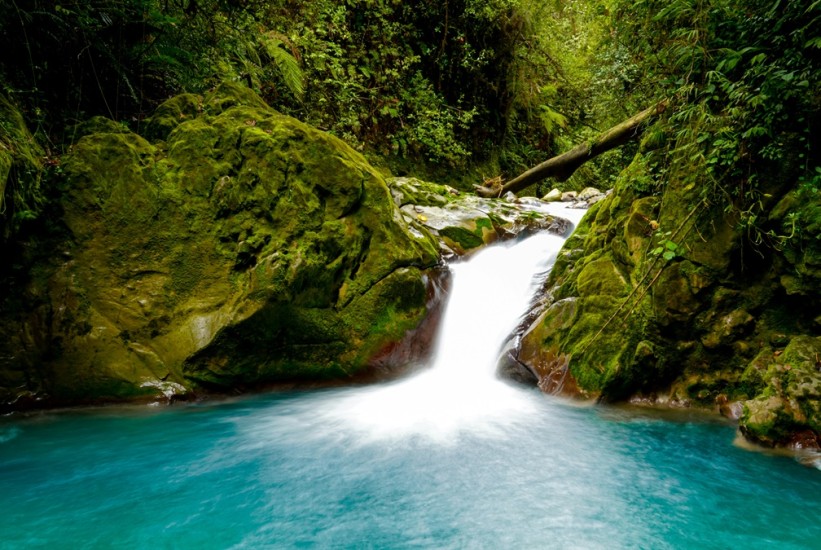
(7, 434)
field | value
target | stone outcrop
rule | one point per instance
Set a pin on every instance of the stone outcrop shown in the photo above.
(463, 222)
(661, 298)
(236, 247)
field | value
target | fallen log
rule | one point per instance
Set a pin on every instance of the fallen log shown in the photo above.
(562, 166)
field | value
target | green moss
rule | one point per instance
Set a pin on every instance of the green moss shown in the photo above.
(789, 393)
(420, 192)
(97, 125)
(231, 94)
(600, 276)
(171, 114)
(21, 170)
(465, 238)
(246, 248)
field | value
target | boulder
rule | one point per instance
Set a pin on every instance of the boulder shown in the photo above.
(588, 193)
(553, 196)
(787, 408)
(238, 248)
(673, 305)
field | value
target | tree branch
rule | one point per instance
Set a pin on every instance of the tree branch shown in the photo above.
(563, 166)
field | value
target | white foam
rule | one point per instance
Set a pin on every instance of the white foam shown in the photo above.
(460, 391)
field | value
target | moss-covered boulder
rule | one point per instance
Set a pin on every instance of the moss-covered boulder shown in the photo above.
(787, 408)
(240, 247)
(659, 296)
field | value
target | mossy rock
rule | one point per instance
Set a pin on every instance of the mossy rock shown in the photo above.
(97, 125)
(21, 169)
(789, 401)
(244, 248)
(421, 193)
(464, 223)
(600, 276)
(798, 218)
(171, 114)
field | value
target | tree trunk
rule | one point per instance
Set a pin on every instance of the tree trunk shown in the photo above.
(562, 167)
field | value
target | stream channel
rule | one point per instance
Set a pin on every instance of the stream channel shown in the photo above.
(450, 457)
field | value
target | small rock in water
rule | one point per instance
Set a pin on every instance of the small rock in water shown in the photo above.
(569, 196)
(554, 195)
(588, 193)
(510, 196)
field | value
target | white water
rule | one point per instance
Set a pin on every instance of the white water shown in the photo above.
(460, 391)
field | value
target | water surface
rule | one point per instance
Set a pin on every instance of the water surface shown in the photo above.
(449, 458)
(273, 471)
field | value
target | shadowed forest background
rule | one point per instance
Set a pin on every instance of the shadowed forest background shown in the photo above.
(461, 89)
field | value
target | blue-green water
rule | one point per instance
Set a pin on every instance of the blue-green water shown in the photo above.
(271, 471)
(450, 458)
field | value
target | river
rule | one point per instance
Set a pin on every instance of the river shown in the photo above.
(450, 457)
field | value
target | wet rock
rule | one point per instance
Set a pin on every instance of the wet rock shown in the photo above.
(463, 222)
(553, 196)
(805, 439)
(790, 399)
(508, 367)
(420, 193)
(588, 193)
(240, 247)
(729, 409)
(569, 196)
(550, 367)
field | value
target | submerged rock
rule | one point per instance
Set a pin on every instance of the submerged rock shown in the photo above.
(241, 247)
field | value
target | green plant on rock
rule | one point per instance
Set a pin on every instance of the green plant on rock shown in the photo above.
(667, 249)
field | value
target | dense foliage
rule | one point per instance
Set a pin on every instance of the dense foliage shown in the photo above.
(482, 87)
(744, 77)
(443, 82)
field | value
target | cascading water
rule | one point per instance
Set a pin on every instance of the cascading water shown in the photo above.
(460, 390)
(402, 465)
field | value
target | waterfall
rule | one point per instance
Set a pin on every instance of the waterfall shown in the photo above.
(459, 391)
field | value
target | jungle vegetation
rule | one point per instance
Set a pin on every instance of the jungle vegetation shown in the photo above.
(459, 90)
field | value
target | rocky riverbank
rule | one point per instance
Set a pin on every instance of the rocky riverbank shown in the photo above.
(225, 248)
(660, 299)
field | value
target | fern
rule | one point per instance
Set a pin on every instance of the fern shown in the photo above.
(285, 61)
